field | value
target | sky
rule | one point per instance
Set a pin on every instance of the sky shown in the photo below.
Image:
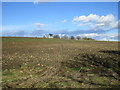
(98, 20)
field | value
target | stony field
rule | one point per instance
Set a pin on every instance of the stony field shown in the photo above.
(57, 63)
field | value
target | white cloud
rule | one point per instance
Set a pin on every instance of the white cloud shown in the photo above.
(90, 35)
(64, 21)
(111, 35)
(108, 39)
(84, 24)
(104, 37)
(35, 2)
(39, 24)
(0, 28)
(97, 22)
(119, 24)
(41, 1)
(96, 18)
(13, 27)
(39, 29)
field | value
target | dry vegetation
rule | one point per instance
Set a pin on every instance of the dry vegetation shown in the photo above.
(55, 63)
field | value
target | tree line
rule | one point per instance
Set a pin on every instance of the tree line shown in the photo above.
(66, 37)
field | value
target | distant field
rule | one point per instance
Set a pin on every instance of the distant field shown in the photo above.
(58, 63)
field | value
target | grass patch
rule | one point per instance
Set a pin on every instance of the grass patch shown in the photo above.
(42, 85)
(75, 69)
(7, 73)
(101, 80)
(81, 68)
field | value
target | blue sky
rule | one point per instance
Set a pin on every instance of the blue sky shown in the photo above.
(97, 20)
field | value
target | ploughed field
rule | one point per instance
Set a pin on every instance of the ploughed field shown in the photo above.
(57, 63)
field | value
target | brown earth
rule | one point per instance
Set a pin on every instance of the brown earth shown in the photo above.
(56, 63)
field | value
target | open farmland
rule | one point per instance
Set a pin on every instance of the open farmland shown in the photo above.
(57, 63)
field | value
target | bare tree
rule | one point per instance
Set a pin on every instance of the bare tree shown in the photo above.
(78, 37)
(85, 38)
(44, 37)
(64, 37)
(56, 36)
(51, 35)
(72, 37)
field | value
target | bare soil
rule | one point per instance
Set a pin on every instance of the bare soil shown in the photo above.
(56, 63)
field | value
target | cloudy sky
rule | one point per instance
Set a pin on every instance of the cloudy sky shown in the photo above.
(86, 19)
